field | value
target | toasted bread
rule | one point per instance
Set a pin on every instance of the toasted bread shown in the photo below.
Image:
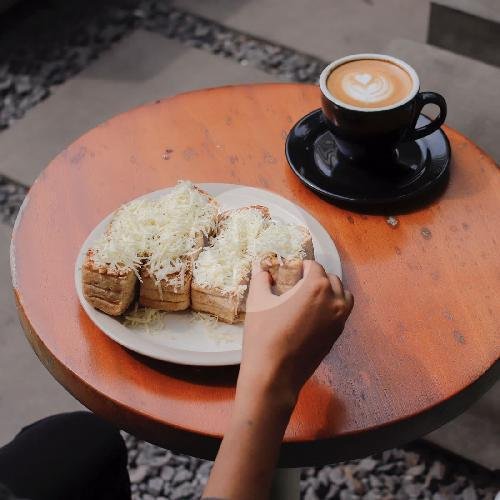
(127, 249)
(173, 291)
(284, 273)
(163, 295)
(222, 271)
(287, 270)
(108, 290)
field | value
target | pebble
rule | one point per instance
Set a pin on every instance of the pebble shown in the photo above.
(437, 470)
(185, 490)
(367, 464)
(160, 461)
(332, 492)
(310, 494)
(138, 474)
(412, 490)
(412, 459)
(155, 486)
(336, 476)
(167, 473)
(181, 476)
(204, 469)
(323, 477)
(469, 493)
(416, 470)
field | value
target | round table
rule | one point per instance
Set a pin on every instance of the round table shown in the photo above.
(421, 345)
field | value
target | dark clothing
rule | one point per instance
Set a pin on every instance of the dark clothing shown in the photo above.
(73, 456)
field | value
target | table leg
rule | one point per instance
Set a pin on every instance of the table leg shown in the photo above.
(286, 484)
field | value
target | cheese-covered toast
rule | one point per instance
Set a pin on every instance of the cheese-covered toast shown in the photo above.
(166, 278)
(222, 270)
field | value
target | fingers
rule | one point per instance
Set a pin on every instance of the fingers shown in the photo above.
(260, 282)
(313, 269)
(337, 286)
(349, 299)
(340, 293)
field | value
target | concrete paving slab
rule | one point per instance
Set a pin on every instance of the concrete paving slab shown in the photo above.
(464, 33)
(141, 68)
(27, 390)
(488, 9)
(476, 433)
(322, 28)
(470, 88)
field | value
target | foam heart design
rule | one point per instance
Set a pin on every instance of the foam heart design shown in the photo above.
(363, 78)
(367, 88)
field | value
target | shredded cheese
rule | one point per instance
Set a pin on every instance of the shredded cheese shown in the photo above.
(226, 263)
(245, 236)
(158, 234)
(145, 318)
(123, 244)
(210, 321)
(286, 240)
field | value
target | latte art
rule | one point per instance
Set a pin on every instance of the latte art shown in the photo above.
(367, 88)
(369, 83)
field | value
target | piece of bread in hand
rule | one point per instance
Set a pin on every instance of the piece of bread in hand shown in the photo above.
(222, 270)
(108, 289)
(166, 278)
(285, 274)
(282, 248)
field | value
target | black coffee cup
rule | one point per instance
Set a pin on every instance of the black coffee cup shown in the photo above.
(367, 133)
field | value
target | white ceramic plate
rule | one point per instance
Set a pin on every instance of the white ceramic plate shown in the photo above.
(194, 342)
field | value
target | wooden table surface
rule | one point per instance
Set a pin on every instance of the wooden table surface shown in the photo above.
(421, 344)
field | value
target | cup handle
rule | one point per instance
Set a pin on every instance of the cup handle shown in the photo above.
(424, 98)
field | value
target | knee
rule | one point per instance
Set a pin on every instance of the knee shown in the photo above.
(95, 428)
(83, 429)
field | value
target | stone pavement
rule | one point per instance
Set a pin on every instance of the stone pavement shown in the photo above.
(27, 392)
(324, 28)
(144, 66)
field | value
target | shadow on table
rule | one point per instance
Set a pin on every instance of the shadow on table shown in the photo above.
(215, 376)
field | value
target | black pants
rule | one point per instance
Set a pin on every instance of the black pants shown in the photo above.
(73, 456)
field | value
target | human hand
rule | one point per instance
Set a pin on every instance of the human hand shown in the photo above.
(285, 339)
(287, 336)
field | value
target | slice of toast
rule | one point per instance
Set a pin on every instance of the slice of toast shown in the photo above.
(124, 252)
(222, 271)
(172, 291)
(164, 295)
(111, 266)
(108, 290)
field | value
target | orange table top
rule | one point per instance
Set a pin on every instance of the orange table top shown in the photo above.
(421, 344)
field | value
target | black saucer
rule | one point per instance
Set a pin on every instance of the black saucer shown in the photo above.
(418, 173)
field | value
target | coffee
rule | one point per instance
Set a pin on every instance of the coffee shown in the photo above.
(369, 83)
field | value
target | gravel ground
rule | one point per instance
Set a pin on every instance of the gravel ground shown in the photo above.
(37, 51)
(418, 471)
(11, 197)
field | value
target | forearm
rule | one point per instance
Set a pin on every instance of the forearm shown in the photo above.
(248, 454)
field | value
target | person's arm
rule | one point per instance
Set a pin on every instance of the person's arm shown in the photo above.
(285, 339)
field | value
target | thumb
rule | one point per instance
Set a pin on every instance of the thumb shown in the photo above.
(260, 284)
